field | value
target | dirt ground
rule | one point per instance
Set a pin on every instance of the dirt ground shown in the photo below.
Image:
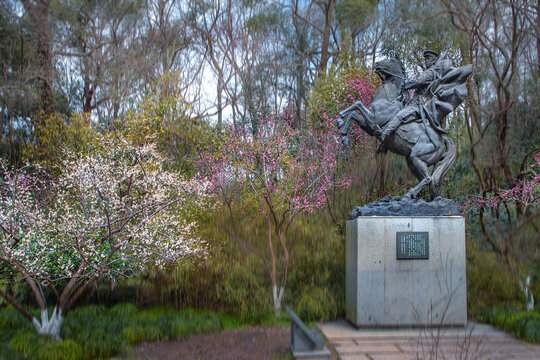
(254, 343)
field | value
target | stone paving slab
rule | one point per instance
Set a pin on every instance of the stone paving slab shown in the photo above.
(476, 341)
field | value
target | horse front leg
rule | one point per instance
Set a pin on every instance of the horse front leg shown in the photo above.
(345, 129)
(361, 122)
(368, 123)
(350, 109)
(365, 119)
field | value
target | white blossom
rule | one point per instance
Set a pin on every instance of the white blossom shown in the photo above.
(109, 213)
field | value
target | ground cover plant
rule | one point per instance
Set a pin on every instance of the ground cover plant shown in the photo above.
(515, 320)
(98, 332)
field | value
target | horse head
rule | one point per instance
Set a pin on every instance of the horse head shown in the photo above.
(392, 73)
(389, 68)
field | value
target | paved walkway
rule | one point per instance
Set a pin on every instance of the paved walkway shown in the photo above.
(477, 341)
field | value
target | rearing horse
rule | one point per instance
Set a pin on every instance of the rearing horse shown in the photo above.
(421, 145)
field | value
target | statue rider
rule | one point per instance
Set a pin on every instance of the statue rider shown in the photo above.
(435, 67)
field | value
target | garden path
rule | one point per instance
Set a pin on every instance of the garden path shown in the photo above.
(476, 341)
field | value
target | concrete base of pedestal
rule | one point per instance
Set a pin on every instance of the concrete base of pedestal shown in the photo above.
(382, 291)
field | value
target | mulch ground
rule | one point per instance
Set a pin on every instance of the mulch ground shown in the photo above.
(254, 343)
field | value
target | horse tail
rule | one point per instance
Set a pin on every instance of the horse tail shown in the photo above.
(442, 167)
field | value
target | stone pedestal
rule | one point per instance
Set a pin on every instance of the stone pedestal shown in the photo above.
(382, 291)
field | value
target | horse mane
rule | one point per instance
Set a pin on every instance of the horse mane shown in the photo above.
(393, 55)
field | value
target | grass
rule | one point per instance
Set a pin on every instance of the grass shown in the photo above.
(98, 332)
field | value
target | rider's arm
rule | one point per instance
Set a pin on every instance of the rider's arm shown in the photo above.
(424, 79)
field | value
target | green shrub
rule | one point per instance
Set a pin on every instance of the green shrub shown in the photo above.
(521, 323)
(317, 278)
(208, 324)
(232, 280)
(7, 352)
(43, 347)
(153, 333)
(316, 304)
(10, 318)
(133, 334)
(88, 311)
(180, 328)
(124, 310)
(11, 323)
(489, 283)
(99, 343)
(63, 350)
(22, 343)
(242, 287)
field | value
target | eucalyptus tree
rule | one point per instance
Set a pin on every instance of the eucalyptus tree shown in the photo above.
(38, 12)
(364, 23)
(95, 47)
(244, 56)
(26, 74)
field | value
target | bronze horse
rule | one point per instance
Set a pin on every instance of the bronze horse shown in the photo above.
(418, 141)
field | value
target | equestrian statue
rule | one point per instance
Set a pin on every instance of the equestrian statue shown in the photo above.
(412, 126)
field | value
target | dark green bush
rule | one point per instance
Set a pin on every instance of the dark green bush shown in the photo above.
(11, 323)
(8, 353)
(10, 318)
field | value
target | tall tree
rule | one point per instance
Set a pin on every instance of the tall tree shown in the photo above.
(500, 40)
(38, 12)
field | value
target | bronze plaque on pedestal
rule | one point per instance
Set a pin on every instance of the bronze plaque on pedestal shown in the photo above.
(412, 245)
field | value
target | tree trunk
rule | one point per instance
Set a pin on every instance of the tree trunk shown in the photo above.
(49, 326)
(326, 37)
(277, 296)
(39, 13)
(538, 37)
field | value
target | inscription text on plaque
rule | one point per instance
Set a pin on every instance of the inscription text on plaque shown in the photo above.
(412, 245)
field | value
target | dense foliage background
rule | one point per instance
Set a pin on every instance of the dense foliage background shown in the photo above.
(185, 76)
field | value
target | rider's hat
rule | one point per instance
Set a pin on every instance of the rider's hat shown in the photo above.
(431, 53)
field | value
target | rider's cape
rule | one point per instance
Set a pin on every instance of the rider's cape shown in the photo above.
(445, 94)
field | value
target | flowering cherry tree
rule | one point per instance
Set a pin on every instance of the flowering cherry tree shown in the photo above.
(335, 93)
(288, 171)
(519, 206)
(108, 214)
